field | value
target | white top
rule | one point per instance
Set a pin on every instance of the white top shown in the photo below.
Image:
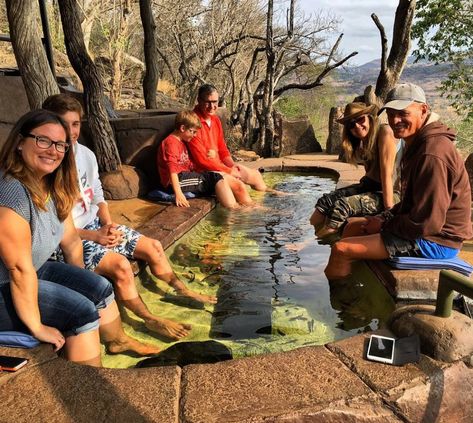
(91, 192)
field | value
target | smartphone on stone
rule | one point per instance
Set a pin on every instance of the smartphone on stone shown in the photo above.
(12, 364)
(381, 348)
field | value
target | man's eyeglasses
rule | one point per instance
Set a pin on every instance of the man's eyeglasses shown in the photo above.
(45, 143)
(210, 102)
(359, 120)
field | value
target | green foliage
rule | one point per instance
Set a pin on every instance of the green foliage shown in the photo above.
(464, 130)
(444, 31)
(291, 106)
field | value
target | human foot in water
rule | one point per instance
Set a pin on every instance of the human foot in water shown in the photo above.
(168, 328)
(129, 344)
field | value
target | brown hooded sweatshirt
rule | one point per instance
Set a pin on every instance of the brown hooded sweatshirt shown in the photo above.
(435, 190)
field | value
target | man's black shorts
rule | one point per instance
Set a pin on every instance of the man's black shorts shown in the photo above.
(399, 247)
(202, 183)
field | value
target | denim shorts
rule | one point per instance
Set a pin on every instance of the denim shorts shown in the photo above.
(68, 298)
(400, 247)
(94, 252)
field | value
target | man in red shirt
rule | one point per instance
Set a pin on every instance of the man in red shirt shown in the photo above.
(209, 151)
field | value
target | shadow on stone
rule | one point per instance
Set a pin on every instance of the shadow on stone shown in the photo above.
(184, 353)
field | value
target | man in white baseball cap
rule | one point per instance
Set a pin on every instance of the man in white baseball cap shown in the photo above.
(433, 217)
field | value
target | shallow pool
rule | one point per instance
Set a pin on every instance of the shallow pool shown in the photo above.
(266, 268)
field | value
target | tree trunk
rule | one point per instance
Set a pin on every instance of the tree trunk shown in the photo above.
(151, 77)
(94, 99)
(30, 55)
(118, 49)
(393, 65)
(266, 134)
(88, 13)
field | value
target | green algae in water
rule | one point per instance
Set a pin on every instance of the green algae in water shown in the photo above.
(266, 268)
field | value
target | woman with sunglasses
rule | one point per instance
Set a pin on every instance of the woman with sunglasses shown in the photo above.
(368, 142)
(60, 304)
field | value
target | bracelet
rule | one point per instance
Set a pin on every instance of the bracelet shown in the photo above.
(386, 215)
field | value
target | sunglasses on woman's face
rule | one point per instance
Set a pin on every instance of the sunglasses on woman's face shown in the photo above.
(359, 120)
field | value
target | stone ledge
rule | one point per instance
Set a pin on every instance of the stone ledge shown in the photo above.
(36, 356)
(308, 384)
(173, 222)
(60, 391)
(428, 391)
(407, 285)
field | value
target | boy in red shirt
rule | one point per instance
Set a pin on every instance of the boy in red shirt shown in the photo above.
(177, 171)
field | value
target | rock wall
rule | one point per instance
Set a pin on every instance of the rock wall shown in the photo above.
(138, 136)
(13, 103)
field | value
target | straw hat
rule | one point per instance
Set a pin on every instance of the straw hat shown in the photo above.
(355, 110)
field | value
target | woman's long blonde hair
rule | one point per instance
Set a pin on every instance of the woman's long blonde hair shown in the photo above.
(61, 184)
(351, 144)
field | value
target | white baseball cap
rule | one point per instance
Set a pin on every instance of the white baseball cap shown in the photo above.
(403, 95)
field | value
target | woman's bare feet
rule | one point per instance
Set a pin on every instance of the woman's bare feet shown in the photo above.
(168, 328)
(129, 344)
(201, 298)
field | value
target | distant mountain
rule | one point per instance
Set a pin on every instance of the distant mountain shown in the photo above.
(353, 80)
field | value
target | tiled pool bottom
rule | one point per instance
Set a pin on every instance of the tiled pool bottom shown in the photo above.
(267, 270)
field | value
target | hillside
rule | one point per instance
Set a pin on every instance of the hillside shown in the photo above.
(353, 80)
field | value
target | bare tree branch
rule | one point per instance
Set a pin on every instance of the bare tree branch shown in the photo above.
(384, 42)
(317, 81)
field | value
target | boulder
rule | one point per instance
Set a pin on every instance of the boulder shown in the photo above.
(442, 338)
(295, 136)
(128, 182)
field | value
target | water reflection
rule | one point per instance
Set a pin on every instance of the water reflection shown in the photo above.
(266, 269)
(269, 270)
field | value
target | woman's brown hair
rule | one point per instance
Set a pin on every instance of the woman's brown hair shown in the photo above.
(61, 184)
(351, 144)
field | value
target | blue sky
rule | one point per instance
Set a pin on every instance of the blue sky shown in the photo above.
(360, 32)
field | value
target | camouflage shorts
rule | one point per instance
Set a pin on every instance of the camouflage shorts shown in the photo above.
(364, 204)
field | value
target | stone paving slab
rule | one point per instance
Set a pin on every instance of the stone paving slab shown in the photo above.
(308, 384)
(173, 222)
(41, 354)
(428, 391)
(60, 391)
(382, 377)
(446, 397)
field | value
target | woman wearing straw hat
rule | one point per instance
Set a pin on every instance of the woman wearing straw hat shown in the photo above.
(365, 141)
